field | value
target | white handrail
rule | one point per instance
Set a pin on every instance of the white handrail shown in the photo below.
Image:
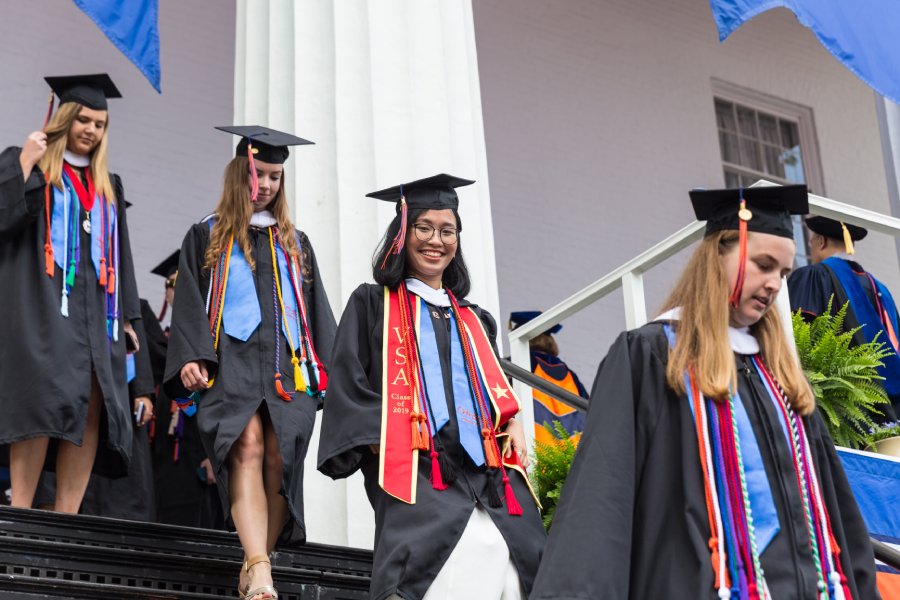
(629, 276)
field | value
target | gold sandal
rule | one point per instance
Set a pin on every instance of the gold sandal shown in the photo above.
(264, 589)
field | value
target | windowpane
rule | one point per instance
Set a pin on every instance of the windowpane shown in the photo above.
(750, 154)
(793, 165)
(773, 158)
(790, 136)
(728, 143)
(747, 122)
(732, 179)
(725, 115)
(768, 129)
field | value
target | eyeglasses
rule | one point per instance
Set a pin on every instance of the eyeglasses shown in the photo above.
(425, 232)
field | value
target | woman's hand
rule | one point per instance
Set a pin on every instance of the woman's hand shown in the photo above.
(129, 331)
(206, 465)
(32, 151)
(146, 413)
(517, 442)
(194, 376)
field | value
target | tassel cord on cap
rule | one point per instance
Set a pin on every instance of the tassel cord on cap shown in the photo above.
(737, 289)
(848, 240)
(399, 241)
(254, 178)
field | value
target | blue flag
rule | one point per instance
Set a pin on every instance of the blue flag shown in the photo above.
(861, 35)
(133, 27)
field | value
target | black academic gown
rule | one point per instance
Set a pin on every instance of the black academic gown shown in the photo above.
(131, 497)
(412, 541)
(810, 289)
(182, 497)
(632, 520)
(244, 371)
(46, 359)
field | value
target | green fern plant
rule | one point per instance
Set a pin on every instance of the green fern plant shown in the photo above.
(844, 377)
(552, 462)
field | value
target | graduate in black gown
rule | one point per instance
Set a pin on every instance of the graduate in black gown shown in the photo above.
(251, 331)
(183, 476)
(686, 482)
(451, 520)
(834, 272)
(70, 299)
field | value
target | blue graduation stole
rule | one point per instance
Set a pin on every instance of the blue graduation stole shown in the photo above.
(762, 504)
(65, 224)
(439, 413)
(867, 316)
(241, 313)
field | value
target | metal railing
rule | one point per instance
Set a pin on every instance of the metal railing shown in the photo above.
(629, 277)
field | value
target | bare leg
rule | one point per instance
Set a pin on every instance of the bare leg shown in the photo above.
(26, 458)
(248, 499)
(74, 463)
(272, 474)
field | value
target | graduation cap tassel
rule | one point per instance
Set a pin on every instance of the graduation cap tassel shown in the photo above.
(49, 110)
(744, 215)
(254, 178)
(399, 241)
(848, 240)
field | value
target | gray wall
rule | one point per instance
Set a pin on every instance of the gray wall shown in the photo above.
(599, 117)
(163, 146)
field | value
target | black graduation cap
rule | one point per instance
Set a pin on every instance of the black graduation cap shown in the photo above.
(169, 266)
(834, 229)
(269, 145)
(770, 208)
(88, 90)
(434, 193)
(520, 317)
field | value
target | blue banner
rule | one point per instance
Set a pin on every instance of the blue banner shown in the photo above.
(133, 27)
(862, 35)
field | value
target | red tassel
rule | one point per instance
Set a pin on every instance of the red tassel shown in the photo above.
(491, 455)
(437, 481)
(254, 178)
(49, 265)
(512, 505)
(111, 281)
(102, 273)
(280, 389)
(323, 378)
(399, 241)
(744, 215)
(49, 111)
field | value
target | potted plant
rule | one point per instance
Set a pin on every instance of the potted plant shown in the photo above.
(551, 465)
(844, 377)
(885, 439)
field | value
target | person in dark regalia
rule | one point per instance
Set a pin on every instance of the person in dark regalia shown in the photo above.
(704, 470)
(250, 332)
(834, 274)
(183, 475)
(131, 497)
(546, 364)
(419, 404)
(71, 298)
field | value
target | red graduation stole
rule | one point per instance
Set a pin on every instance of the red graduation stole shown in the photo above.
(402, 411)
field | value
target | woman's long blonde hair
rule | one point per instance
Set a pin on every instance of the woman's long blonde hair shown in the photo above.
(57, 131)
(702, 331)
(235, 209)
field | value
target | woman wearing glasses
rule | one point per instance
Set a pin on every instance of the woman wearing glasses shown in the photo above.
(419, 404)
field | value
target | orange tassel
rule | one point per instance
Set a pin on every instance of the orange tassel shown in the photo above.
(744, 215)
(280, 389)
(437, 481)
(424, 441)
(491, 455)
(48, 259)
(102, 273)
(111, 281)
(416, 440)
(512, 505)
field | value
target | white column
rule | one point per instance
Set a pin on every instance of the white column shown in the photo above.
(389, 91)
(889, 124)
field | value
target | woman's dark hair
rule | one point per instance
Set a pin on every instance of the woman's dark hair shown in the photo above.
(456, 275)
